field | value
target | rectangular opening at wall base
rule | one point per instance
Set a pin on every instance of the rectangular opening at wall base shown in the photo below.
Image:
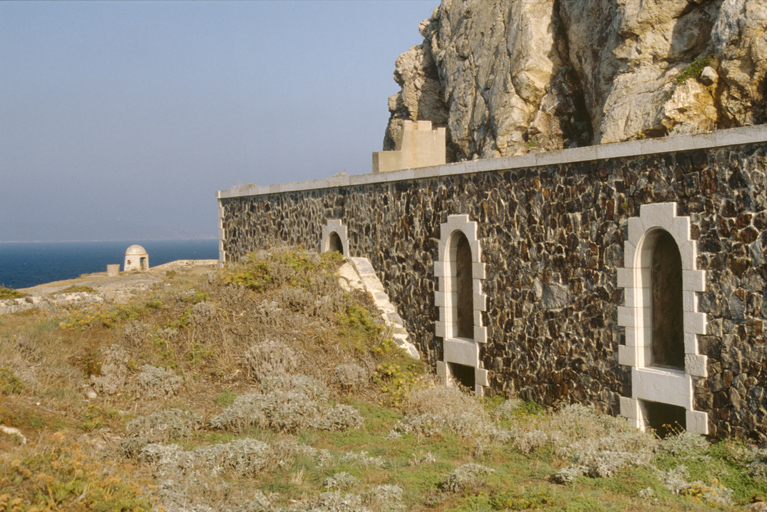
(664, 419)
(461, 374)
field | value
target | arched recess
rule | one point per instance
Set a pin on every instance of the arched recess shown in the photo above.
(334, 237)
(460, 300)
(666, 301)
(661, 319)
(335, 244)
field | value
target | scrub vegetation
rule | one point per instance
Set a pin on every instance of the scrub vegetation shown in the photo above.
(10, 293)
(266, 387)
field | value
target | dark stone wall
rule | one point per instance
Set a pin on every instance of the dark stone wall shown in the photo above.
(552, 238)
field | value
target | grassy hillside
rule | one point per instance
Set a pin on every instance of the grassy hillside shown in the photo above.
(265, 387)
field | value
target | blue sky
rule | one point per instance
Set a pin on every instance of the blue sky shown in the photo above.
(118, 117)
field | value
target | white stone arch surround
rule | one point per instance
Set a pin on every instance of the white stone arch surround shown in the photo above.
(463, 351)
(334, 226)
(654, 383)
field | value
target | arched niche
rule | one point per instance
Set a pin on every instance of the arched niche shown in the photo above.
(460, 262)
(335, 244)
(661, 320)
(334, 237)
(460, 300)
(667, 319)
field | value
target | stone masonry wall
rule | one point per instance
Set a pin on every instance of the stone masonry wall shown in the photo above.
(552, 239)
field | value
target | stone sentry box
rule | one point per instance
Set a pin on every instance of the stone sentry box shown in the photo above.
(560, 245)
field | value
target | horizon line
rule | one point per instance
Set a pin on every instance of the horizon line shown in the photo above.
(109, 240)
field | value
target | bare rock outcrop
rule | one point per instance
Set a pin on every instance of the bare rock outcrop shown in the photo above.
(511, 76)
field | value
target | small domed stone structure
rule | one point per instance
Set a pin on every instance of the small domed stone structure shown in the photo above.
(136, 258)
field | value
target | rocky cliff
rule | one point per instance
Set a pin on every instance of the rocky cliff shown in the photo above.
(511, 76)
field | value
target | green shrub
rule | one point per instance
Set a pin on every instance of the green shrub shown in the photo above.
(582, 504)
(106, 315)
(65, 477)
(530, 407)
(95, 417)
(9, 383)
(10, 293)
(362, 331)
(509, 500)
(197, 297)
(250, 273)
(77, 289)
(693, 70)
(225, 399)
(286, 266)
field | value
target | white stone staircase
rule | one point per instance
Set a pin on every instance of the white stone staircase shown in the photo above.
(358, 274)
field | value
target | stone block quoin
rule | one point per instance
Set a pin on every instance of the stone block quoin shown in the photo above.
(658, 375)
(556, 240)
(461, 302)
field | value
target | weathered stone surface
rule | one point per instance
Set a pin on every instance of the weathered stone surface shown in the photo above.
(421, 95)
(492, 73)
(510, 76)
(552, 295)
(739, 42)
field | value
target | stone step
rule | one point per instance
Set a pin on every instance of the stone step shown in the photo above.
(359, 274)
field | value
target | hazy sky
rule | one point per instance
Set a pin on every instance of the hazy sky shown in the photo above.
(115, 111)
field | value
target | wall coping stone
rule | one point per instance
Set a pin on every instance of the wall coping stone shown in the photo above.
(676, 143)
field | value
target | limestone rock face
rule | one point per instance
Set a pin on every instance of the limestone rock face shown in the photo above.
(511, 76)
(421, 95)
(739, 42)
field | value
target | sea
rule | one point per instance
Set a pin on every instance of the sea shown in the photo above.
(25, 264)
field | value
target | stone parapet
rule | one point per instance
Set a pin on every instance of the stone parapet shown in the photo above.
(417, 145)
(646, 147)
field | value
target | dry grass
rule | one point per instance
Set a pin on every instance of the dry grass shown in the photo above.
(265, 387)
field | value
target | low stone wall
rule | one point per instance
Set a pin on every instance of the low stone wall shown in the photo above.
(552, 231)
(49, 302)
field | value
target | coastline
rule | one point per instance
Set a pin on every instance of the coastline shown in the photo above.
(29, 264)
(100, 287)
(101, 281)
